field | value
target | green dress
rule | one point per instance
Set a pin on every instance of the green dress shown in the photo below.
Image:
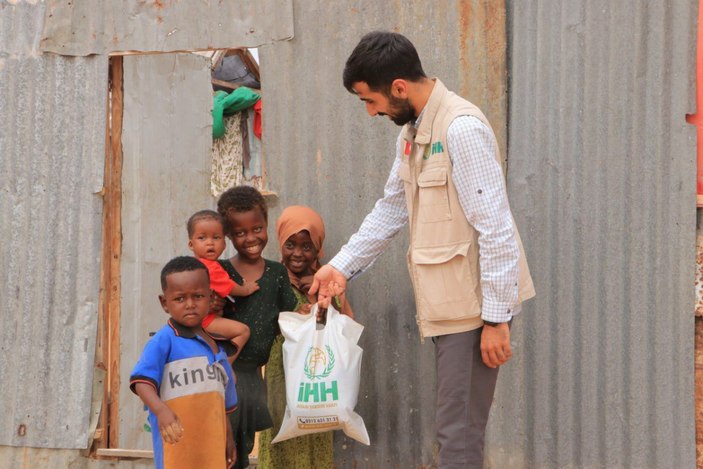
(259, 311)
(312, 451)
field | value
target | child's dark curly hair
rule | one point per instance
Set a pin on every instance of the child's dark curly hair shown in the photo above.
(241, 199)
(181, 264)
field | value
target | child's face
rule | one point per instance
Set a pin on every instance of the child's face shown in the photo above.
(299, 253)
(208, 240)
(248, 233)
(187, 297)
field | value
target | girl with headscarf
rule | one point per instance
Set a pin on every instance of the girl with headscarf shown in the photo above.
(301, 233)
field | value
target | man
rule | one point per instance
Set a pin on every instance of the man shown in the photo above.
(465, 259)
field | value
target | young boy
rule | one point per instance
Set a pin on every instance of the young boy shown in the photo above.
(206, 238)
(183, 376)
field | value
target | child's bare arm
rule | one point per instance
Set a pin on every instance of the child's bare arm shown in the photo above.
(169, 425)
(235, 331)
(244, 290)
(230, 447)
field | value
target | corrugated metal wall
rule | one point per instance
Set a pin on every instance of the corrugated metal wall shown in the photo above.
(52, 149)
(83, 27)
(322, 149)
(602, 183)
(167, 137)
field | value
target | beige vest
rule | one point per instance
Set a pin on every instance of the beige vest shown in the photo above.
(443, 258)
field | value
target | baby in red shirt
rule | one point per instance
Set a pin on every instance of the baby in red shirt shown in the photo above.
(206, 239)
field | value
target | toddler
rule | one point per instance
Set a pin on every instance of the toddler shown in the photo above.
(206, 239)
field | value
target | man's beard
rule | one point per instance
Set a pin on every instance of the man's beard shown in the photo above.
(401, 109)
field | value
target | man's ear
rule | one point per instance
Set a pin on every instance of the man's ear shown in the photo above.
(399, 88)
(162, 300)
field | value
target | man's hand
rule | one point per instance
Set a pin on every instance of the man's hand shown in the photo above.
(321, 284)
(495, 345)
(169, 426)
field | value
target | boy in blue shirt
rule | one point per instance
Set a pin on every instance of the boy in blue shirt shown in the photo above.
(183, 376)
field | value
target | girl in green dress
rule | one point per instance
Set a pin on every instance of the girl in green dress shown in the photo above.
(245, 214)
(301, 233)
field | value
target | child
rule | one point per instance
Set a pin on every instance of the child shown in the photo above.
(183, 377)
(206, 239)
(301, 233)
(246, 222)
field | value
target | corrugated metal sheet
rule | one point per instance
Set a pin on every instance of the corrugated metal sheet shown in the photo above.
(602, 182)
(83, 27)
(52, 148)
(322, 149)
(167, 139)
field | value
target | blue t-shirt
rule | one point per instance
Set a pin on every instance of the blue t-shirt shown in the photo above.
(197, 385)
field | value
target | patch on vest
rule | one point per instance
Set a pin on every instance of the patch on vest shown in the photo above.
(436, 147)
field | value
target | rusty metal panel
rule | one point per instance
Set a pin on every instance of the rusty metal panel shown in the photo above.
(167, 140)
(322, 149)
(52, 149)
(83, 27)
(602, 181)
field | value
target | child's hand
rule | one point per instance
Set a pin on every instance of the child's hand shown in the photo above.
(250, 287)
(169, 425)
(305, 283)
(217, 303)
(230, 448)
(304, 308)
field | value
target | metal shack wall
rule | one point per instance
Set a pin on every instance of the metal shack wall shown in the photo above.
(323, 150)
(602, 183)
(52, 149)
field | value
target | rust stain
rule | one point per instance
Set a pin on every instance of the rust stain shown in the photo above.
(318, 165)
(159, 19)
(699, 276)
(159, 4)
(465, 15)
(698, 376)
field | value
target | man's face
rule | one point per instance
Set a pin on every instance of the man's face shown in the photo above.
(377, 103)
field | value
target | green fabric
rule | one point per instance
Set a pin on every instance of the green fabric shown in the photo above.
(224, 104)
(314, 451)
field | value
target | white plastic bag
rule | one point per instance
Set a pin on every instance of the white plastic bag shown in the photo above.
(322, 366)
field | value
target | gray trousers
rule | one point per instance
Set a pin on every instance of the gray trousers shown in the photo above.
(465, 388)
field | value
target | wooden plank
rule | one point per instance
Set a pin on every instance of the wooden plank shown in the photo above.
(232, 86)
(121, 453)
(114, 194)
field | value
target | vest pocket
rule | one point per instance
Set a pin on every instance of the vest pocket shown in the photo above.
(444, 284)
(433, 203)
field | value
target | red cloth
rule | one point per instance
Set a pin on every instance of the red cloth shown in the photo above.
(220, 281)
(257, 119)
(208, 320)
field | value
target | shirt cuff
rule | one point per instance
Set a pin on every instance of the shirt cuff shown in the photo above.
(343, 265)
(496, 311)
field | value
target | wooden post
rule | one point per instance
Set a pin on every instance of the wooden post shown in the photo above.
(114, 215)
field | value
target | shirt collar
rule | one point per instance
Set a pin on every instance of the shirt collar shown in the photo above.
(180, 330)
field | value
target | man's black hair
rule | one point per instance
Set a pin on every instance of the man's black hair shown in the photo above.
(202, 215)
(381, 57)
(241, 199)
(181, 264)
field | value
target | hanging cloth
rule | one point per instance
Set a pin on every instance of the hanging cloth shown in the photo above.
(229, 103)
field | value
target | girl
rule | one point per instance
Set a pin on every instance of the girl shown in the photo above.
(300, 235)
(246, 221)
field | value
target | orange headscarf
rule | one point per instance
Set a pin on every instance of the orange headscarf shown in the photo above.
(295, 219)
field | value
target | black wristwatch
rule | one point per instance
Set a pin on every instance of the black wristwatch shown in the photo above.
(492, 324)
